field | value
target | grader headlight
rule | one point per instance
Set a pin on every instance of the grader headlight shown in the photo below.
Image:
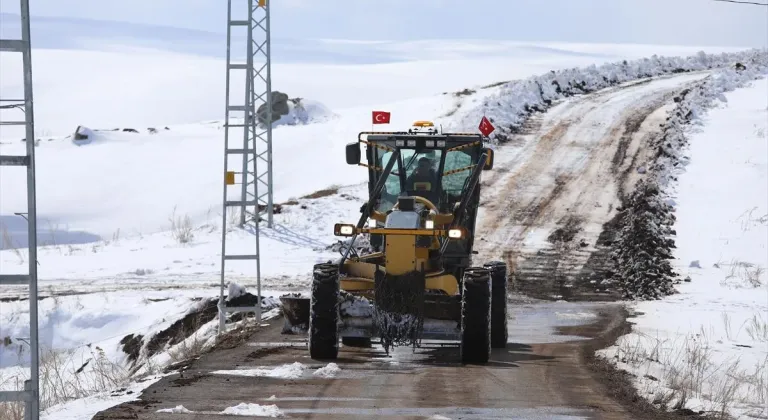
(455, 233)
(343, 230)
(429, 224)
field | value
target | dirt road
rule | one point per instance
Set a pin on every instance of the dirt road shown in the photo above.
(544, 208)
(547, 203)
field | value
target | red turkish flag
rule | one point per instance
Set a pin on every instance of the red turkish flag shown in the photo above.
(486, 127)
(381, 117)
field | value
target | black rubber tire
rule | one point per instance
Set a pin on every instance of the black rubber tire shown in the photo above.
(324, 313)
(476, 316)
(499, 334)
(356, 341)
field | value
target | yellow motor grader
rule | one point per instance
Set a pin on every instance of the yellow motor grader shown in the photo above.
(416, 279)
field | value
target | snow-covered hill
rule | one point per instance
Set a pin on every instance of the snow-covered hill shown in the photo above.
(106, 90)
(125, 84)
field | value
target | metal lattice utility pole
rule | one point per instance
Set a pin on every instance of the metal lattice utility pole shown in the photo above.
(248, 167)
(31, 393)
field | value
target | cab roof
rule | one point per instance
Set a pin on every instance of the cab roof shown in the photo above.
(420, 141)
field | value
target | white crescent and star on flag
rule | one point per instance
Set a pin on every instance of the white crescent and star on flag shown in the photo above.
(486, 127)
(380, 117)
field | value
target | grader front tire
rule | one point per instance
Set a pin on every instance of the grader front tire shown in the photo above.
(499, 334)
(324, 313)
(476, 316)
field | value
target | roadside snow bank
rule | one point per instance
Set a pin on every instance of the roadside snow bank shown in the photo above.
(88, 407)
(645, 221)
(109, 341)
(704, 349)
(515, 101)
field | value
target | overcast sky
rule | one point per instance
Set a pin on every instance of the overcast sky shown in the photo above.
(691, 22)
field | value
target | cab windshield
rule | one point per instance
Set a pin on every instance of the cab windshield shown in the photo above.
(433, 174)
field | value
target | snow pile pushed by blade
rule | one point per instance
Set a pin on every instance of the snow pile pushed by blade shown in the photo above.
(643, 247)
(294, 370)
(328, 371)
(256, 410)
(515, 101)
(179, 409)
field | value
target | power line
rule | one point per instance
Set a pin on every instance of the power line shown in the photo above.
(744, 2)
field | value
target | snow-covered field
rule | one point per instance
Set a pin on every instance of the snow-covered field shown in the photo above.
(706, 348)
(105, 208)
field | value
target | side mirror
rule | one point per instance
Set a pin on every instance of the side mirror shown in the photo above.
(353, 153)
(489, 162)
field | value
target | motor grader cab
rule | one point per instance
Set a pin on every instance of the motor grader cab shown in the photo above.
(417, 282)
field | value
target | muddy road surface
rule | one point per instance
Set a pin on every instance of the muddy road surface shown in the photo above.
(545, 211)
(527, 380)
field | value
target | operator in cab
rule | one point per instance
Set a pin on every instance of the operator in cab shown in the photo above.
(423, 180)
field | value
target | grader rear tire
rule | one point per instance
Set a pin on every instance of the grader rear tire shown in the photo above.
(499, 334)
(476, 316)
(324, 313)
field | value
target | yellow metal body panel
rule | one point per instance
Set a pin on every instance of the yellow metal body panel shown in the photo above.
(444, 282)
(360, 269)
(356, 284)
(401, 254)
(422, 260)
(436, 281)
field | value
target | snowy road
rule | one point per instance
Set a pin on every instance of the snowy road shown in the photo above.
(564, 177)
(544, 215)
